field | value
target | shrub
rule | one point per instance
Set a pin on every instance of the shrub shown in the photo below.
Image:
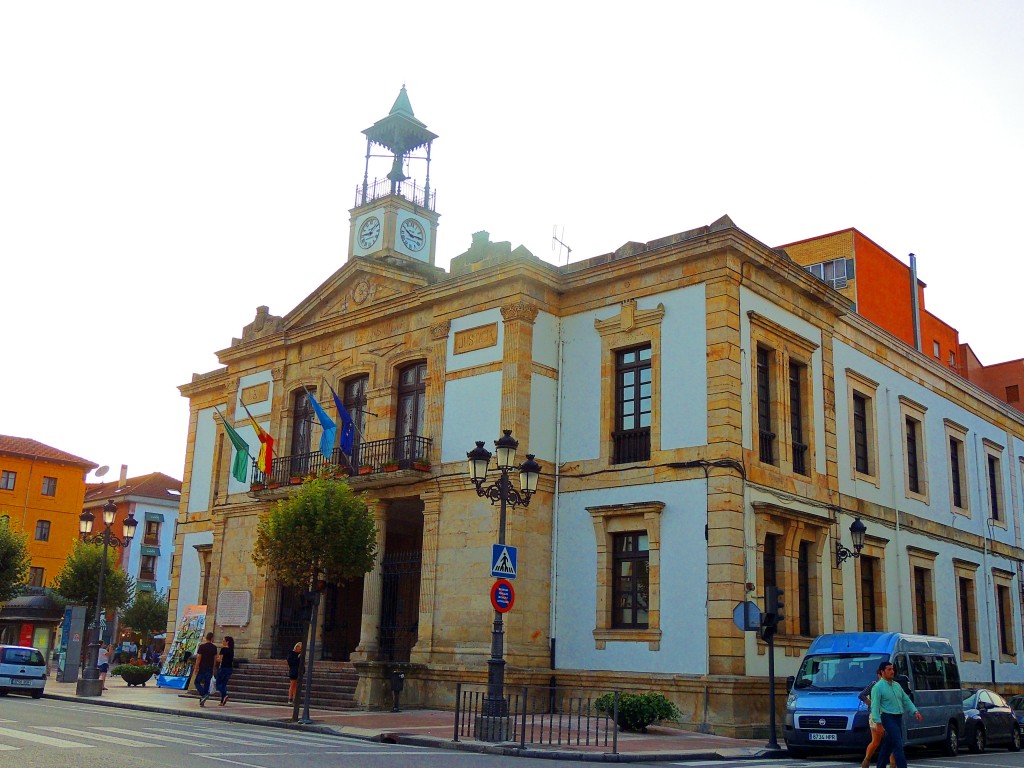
(638, 710)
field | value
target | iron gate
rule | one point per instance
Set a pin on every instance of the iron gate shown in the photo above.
(400, 604)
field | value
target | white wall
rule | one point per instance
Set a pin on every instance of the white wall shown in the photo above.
(190, 581)
(472, 411)
(201, 478)
(683, 584)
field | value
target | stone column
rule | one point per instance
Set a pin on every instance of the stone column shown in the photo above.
(428, 578)
(369, 632)
(517, 368)
(437, 366)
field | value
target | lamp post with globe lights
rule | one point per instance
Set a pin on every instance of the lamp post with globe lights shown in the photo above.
(491, 726)
(90, 684)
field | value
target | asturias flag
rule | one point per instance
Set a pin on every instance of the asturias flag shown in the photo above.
(329, 427)
(240, 465)
(266, 457)
(348, 427)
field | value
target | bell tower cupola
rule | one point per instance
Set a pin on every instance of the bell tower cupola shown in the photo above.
(394, 213)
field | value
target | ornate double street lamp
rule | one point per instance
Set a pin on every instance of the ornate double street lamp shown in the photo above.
(90, 684)
(493, 723)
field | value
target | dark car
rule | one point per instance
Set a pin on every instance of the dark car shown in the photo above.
(1017, 705)
(990, 721)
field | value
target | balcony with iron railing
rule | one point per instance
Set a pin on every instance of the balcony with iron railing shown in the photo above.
(417, 194)
(394, 461)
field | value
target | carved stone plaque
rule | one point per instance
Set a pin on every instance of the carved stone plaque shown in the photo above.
(256, 394)
(234, 608)
(476, 338)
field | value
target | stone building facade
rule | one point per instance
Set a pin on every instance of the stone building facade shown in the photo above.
(710, 418)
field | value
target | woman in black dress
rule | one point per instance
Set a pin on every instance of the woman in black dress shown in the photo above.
(226, 665)
(294, 662)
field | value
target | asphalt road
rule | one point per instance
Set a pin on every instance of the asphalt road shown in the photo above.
(48, 733)
(996, 757)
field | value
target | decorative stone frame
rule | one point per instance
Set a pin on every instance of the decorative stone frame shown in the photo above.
(923, 558)
(958, 432)
(995, 451)
(785, 346)
(622, 518)
(914, 410)
(632, 327)
(965, 570)
(1005, 579)
(874, 547)
(868, 389)
(793, 527)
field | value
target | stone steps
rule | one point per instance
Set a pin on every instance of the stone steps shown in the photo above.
(264, 681)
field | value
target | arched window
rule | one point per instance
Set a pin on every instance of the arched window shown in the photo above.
(412, 394)
(302, 430)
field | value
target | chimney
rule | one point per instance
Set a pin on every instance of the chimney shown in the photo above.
(124, 476)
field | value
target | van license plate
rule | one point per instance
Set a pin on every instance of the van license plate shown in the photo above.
(21, 681)
(821, 737)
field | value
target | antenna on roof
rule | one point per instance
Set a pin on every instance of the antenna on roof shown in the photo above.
(561, 243)
(102, 471)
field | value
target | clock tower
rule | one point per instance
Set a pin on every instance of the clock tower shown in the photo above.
(394, 216)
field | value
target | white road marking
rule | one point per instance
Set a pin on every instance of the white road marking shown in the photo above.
(38, 738)
(104, 737)
(187, 735)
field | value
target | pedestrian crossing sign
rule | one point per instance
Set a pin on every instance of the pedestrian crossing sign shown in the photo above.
(503, 561)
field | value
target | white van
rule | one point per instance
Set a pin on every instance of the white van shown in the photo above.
(22, 670)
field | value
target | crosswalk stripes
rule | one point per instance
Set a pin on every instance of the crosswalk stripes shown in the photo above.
(188, 735)
(39, 738)
(172, 739)
(283, 737)
(773, 763)
(106, 738)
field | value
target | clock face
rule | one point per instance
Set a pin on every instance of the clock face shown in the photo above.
(413, 236)
(369, 232)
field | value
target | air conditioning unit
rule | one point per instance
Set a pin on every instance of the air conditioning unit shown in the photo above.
(838, 283)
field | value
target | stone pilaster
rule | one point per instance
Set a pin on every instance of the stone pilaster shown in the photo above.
(428, 578)
(517, 368)
(437, 366)
(369, 632)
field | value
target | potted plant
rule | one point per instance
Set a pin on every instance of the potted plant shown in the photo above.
(638, 710)
(365, 469)
(421, 464)
(135, 673)
(391, 465)
(257, 487)
(295, 480)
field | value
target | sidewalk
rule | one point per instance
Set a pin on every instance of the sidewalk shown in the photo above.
(420, 727)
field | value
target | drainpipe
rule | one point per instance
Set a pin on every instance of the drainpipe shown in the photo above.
(28, 486)
(986, 580)
(892, 488)
(553, 615)
(915, 308)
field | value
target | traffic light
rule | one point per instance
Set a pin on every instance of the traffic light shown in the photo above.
(772, 616)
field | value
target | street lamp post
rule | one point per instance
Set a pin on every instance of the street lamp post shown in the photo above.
(492, 725)
(90, 684)
(319, 585)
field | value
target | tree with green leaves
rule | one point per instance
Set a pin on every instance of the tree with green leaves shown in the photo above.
(324, 527)
(146, 614)
(79, 579)
(14, 561)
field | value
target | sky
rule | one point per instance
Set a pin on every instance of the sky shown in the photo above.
(165, 168)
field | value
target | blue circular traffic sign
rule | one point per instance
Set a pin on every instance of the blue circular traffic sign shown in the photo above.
(502, 596)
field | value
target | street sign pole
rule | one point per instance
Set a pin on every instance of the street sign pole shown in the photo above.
(773, 740)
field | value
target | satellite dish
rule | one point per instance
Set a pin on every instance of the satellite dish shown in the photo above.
(102, 471)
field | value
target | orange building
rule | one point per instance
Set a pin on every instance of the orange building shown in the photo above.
(1004, 380)
(41, 493)
(879, 285)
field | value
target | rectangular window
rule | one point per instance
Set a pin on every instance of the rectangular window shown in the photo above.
(913, 458)
(922, 578)
(995, 488)
(804, 587)
(868, 567)
(766, 435)
(860, 434)
(630, 587)
(771, 546)
(36, 577)
(152, 533)
(49, 486)
(147, 570)
(43, 530)
(1004, 614)
(956, 472)
(7, 478)
(632, 436)
(967, 613)
(797, 374)
(1013, 393)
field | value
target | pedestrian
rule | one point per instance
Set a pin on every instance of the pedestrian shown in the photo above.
(225, 666)
(875, 729)
(889, 702)
(294, 662)
(202, 670)
(103, 664)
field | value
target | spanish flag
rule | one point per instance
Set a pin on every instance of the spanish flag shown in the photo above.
(266, 457)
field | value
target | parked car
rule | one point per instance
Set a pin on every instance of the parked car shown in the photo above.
(1017, 705)
(22, 670)
(990, 721)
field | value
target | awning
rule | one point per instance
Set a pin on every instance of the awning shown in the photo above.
(148, 550)
(145, 586)
(154, 517)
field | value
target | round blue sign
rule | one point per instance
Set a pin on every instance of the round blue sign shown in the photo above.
(502, 596)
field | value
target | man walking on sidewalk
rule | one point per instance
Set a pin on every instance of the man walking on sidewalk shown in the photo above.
(889, 702)
(202, 672)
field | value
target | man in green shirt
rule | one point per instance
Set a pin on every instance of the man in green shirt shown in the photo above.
(889, 702)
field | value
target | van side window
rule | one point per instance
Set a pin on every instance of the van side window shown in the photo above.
(952, 673)
(900, 665)
(919, 666)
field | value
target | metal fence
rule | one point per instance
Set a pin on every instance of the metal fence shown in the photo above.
(543, 715)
